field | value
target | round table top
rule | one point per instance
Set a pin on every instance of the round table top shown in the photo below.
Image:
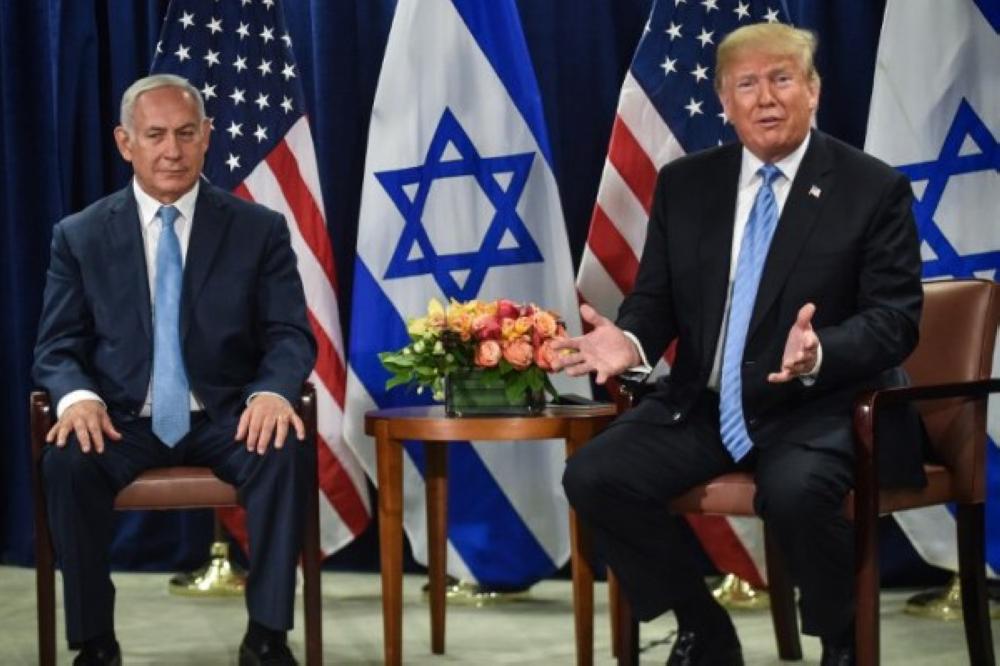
(430, 423)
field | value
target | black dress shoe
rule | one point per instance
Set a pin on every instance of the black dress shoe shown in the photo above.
(837, 655)
(103, 656)
(267, 653)
(716, 648)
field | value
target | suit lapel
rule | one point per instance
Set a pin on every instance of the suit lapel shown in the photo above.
(801, 211)
(125, 240)
(715, 246)
(211, 219)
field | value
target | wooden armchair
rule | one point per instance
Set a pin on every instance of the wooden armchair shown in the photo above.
(170, 488)
(950, 373)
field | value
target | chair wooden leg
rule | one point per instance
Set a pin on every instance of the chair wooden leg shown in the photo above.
(45, 592)
(972, 578)
(782, 594)
(311, 575)
(613, 600)
(628, 633)
(45, 584)
(866, 586)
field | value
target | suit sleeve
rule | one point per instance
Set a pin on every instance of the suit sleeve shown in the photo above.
(647, 311)
(289, 348)
(884, 330)
(66, 326)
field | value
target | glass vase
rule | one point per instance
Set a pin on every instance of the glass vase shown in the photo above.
(473, 394)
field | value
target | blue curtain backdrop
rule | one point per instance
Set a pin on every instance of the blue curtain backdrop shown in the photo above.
(65, 63)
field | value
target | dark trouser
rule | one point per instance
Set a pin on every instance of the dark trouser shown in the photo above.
(620, 482)
(80, 490)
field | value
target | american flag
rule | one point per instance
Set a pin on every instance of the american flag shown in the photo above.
(239, 54)
(668, 108)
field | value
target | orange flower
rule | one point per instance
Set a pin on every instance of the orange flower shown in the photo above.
(545, 324)
(518, 352)
(545, 355)
(487, 354)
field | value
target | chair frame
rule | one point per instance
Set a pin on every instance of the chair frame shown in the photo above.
(174, 488)
(865, 504)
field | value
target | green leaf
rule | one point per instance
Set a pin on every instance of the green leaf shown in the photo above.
(395, 381)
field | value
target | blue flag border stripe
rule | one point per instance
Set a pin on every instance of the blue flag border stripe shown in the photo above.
(494, 26)
(528, 558)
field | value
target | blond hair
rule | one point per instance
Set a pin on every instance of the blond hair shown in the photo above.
(776, 39)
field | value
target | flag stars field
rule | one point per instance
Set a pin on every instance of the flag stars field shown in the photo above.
(266, 154)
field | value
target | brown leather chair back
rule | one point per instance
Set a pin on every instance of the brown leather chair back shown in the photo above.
(958, 332)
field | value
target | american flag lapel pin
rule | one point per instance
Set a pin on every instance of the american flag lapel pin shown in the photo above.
(815, 191)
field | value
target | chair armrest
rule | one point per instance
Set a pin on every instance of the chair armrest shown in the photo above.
(866, 414)
(867, 403)
(41, 419)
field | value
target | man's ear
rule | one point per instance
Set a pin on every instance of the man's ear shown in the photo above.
(206, 129)
(124, 142)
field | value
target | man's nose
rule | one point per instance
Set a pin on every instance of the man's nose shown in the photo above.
(766, 96)
(172, 146)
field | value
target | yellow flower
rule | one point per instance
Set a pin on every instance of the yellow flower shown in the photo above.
(435, 315)
(417, 326)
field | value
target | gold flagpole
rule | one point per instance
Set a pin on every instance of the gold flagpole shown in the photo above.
(220, 577)
(943, 604)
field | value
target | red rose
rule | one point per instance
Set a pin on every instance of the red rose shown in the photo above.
(507, 309)
(519, 352)
(486, 327)
(487, 354)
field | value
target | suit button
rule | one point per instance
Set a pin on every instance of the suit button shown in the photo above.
(752, 423)
(749, 364)
(676, 416)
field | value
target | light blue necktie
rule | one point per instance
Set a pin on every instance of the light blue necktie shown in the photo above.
(753, 251)
(171, 406)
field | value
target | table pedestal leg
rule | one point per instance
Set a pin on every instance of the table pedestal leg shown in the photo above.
(436, 488)
(390, 517)
(583, 578)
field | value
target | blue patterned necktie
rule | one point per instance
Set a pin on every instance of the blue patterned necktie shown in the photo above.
(753, 251)
(171, 406)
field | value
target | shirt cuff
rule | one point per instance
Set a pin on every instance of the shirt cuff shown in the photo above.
(74, 397)
(641, 371)
(810, 377)
(257, 393)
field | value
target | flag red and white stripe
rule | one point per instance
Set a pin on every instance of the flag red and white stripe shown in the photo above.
(239, 55)
(287, 181)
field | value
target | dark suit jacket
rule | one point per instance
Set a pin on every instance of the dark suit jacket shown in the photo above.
(852, 250)
(243, 318)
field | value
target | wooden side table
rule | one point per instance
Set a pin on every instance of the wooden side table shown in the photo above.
(391, 427)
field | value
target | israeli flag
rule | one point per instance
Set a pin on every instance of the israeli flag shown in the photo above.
(459, 201)
(935, 115)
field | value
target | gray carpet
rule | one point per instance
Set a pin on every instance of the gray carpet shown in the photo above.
(155, 627)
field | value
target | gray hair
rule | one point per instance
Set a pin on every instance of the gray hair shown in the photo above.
(152, 82)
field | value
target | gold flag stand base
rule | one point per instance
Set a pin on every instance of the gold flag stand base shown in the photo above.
(218, 578)
(943, 604)
(467, 593)
(734, 593)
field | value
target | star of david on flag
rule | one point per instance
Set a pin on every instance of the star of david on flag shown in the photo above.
(459, 201)
(451, 154)
(935, 115)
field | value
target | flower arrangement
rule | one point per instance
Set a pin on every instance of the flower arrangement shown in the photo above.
(501, 340)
